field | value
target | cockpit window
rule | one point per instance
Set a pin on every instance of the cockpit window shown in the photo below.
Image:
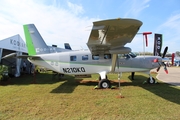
(122, 56)
(107, 56)
(127, 56)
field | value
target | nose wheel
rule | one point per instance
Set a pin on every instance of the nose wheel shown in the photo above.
(151, 80)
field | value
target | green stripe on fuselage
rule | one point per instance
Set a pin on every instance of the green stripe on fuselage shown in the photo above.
(29, 42)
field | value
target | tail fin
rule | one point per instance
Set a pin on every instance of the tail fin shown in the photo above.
(34, 42)
(67, 46)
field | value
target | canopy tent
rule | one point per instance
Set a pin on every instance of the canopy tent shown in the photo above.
(14, 44)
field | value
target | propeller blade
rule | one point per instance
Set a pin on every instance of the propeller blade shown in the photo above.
(165, 68)
(165, 51)
(166, 71)
(158, 69)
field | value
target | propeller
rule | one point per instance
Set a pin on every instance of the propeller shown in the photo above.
(163, 55)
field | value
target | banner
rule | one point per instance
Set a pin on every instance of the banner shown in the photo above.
(157, 44)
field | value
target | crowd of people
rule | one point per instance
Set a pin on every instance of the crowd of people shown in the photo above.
(28, 68)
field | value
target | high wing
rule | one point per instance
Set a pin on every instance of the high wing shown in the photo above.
(110, 36)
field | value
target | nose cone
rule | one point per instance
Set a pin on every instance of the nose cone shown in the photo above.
(155, 60)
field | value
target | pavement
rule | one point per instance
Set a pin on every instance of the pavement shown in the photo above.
(173, 76)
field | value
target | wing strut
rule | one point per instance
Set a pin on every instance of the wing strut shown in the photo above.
(105, 35)
(113, 65)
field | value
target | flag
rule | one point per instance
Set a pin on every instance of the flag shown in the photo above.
(157, 44)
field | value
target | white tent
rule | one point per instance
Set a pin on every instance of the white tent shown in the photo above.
(14, 44)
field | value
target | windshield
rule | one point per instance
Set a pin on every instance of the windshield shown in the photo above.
(133, 55)
(127, 56)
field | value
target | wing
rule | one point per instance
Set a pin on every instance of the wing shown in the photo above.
(110, 36)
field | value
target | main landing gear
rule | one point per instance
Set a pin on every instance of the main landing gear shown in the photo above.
(104, 83)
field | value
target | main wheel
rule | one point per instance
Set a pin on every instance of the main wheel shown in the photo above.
(104, 83)
(151, 81)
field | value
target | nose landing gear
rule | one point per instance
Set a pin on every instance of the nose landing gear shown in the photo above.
(151, 80)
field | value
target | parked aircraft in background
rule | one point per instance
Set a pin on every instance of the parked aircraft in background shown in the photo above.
(176, 59)
(107, 52)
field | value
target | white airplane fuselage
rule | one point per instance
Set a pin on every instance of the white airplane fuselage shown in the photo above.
(83, 62)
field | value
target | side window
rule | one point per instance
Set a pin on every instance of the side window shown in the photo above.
(107, 56)
(85, 57)
(72, 58)
(126, 56)
(121, 56)
(95, 57)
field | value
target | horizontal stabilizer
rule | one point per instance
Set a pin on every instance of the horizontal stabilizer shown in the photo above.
(28, 56)
(14, 55)
(9, 56)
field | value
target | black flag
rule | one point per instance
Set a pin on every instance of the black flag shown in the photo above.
(157, 44)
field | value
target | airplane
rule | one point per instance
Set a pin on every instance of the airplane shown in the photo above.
(106, 54)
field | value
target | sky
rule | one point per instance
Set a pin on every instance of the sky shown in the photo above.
(70, 21)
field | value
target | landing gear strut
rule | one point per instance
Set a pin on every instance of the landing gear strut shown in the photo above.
(151, 80)
(103, 81)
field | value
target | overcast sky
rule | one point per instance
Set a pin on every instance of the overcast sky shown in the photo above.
(61, 21)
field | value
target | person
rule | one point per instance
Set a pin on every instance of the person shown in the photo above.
(24, 66)
(32, 68)
(132, 75)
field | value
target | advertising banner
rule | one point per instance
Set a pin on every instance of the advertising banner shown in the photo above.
(157, 44)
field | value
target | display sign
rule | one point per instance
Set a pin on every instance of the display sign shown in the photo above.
(157, 44)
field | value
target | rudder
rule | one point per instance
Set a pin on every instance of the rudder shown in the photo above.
(34, 41)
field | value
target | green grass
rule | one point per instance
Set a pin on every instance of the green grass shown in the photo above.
(75, 99)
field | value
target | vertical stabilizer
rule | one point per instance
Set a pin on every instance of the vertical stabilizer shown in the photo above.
(34, 42)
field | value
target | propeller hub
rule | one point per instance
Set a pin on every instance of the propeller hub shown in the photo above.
(155, 60)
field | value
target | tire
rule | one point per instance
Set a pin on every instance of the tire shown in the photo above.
(153, 81)
(104, 84)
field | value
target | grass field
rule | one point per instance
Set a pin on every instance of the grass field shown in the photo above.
(75, 99)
